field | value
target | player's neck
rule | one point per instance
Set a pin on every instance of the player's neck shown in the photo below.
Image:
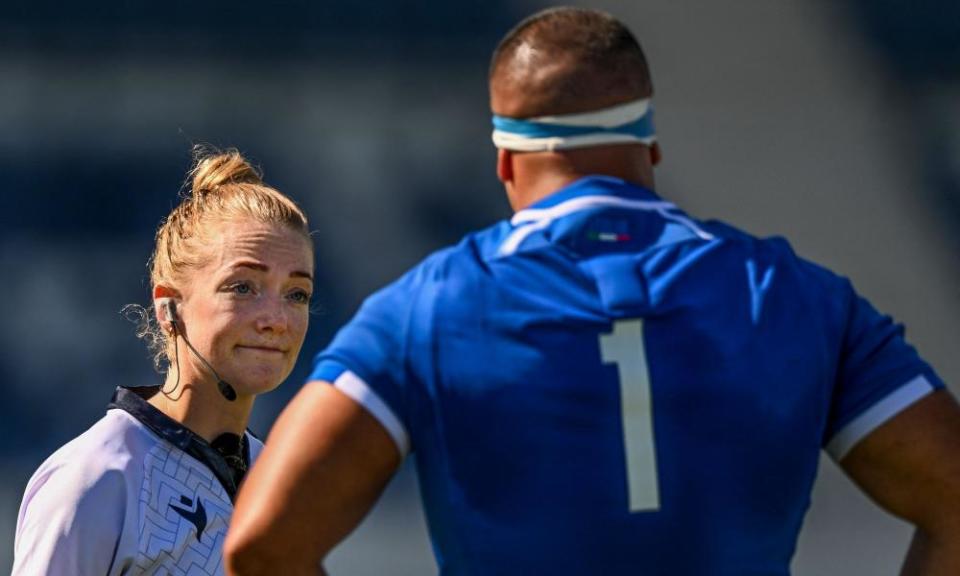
(524, 194)
(536, 176)
(199, 406)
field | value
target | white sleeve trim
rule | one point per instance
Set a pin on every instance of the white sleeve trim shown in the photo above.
(354, 387)
(885, 409)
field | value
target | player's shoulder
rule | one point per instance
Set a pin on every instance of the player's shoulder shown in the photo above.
(776, 250)
(474, 251)
(775, 246)
(470, 256)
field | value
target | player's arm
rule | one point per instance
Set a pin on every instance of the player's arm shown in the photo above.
(324, 465)
(909, 466)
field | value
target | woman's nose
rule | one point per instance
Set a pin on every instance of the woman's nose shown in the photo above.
(272, 316)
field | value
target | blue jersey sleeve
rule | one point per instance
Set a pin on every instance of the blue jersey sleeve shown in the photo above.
(878, 375)
(367, 358)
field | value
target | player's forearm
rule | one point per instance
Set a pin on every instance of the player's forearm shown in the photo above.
(324, 465)
(254, 560)
(933, 554)
(261, 543)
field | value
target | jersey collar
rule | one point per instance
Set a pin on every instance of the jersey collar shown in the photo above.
(586, 187)
(133, 402)
(592, 193)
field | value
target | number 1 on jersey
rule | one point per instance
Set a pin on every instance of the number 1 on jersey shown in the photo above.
(625, 348)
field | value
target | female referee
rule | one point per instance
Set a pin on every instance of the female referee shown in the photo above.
(149, 488)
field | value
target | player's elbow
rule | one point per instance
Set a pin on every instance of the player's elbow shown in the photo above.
(935, 513)
(941, 522)
(241, 556)
(260, 553)
(248, 555)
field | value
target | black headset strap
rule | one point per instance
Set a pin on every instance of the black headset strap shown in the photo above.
(132, 401)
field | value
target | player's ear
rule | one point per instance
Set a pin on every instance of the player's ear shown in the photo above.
(504, 165)
(656, 155)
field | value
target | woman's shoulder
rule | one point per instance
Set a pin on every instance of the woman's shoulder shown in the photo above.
(114, 444)
(74, 505)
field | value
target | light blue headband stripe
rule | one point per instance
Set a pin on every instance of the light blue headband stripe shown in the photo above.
(640, 128)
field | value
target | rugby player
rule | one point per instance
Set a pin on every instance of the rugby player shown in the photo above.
(603, 384)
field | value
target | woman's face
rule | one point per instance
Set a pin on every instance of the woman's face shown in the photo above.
(246, 310)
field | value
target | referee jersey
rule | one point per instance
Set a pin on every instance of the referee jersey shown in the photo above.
(137, 493)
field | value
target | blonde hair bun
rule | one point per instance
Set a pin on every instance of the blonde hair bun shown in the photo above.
(215, 170)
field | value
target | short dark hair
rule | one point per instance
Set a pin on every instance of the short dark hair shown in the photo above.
(596, 57)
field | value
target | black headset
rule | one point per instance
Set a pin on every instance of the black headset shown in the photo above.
(170, 305)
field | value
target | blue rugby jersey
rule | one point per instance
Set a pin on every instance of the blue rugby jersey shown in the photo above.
(603, 385)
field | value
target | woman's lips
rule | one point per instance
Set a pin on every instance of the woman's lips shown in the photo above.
(267, 349)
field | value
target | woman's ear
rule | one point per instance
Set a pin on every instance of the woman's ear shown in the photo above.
(165, 307)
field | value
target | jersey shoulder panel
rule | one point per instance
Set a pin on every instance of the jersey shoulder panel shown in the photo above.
(876, 372)
(110, 444)
(376, 338)
(474, 251)
(369, 358)
(74, 507)
(814, 280)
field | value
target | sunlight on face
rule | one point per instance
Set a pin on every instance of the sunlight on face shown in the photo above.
(246, 311)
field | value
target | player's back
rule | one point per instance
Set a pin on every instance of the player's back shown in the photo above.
(605, 386)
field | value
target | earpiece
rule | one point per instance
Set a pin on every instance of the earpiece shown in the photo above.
(169, 307)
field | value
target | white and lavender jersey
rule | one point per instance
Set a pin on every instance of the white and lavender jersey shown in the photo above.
(137, 493)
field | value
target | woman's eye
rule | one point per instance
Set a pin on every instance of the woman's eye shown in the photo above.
(300, 296)
(241, 288)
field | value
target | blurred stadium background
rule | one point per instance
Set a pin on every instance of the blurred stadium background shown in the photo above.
(836, 124)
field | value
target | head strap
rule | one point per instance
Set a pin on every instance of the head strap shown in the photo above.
(622, 124)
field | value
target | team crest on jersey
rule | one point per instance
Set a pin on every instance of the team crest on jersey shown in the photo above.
(197, 516)
(184, 517)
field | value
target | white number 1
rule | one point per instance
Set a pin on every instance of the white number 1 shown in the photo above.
(624, 347)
